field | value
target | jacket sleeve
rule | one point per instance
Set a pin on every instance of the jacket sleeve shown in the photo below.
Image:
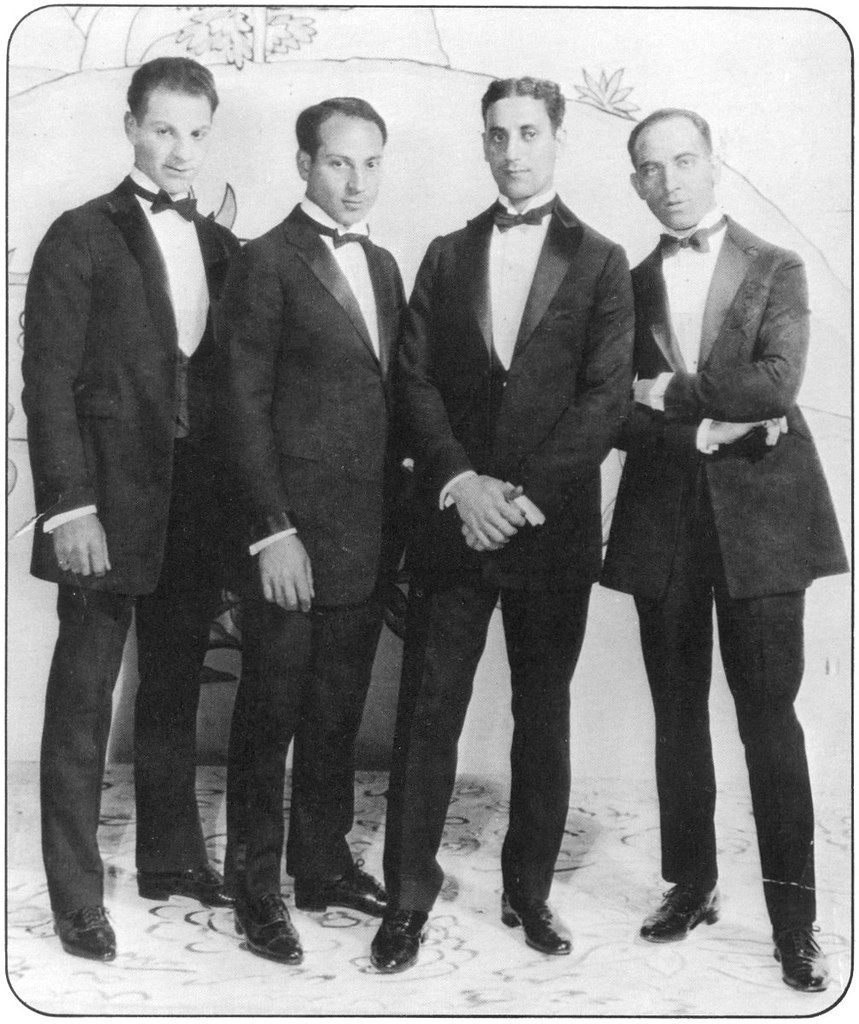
(56, 315)
(589, 426)
(766, 386)
(251, 324)
(422, 407)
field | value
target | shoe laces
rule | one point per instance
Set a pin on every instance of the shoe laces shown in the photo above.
(800, 943)
(92, 917)
(273, 905)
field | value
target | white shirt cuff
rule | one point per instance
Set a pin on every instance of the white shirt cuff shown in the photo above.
(258, 545)
(657, 392)
(446, 498)
(51, 524)
(701, 442)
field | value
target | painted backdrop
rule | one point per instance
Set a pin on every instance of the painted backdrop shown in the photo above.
(782, 123)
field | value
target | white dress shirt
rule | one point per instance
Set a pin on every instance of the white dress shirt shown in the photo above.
(189, 292)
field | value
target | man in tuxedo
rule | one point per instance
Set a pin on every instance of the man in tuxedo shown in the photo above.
(722, 500)
(119, 364)
(514, 376)
(312, 322)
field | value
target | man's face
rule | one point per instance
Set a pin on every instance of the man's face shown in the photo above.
(171, 139)
(344, 176)
(675, 173)
(520, 147)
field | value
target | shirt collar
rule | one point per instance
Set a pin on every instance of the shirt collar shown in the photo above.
(710, 218)
(539, 200)
(318, 214)
(144, 181)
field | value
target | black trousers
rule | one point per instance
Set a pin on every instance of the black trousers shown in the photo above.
(304, 676)
(172, 630)
(445, 639)
(761, 643)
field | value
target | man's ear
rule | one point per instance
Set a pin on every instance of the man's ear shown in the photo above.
(636, 184)
(302, 162)
(130, 123)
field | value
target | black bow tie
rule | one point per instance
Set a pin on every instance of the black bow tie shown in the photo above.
(164, 201)
(504, 220)
(698, 241)
(338, 238)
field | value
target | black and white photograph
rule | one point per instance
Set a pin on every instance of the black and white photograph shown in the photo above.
(429, 504)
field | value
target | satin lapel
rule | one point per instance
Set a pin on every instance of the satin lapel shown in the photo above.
(387, 313)
(131, 222)
(318, 258)
(475, 274)
(559, 248)
(212, 249)
(731, 269)
(654, 303)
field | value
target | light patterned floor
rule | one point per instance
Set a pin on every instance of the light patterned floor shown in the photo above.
(176, 958)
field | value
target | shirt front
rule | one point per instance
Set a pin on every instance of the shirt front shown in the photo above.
(352, 261)
(186, 274)
(513, 258)
(688, 274)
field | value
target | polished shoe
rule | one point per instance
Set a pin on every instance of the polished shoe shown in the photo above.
(682, 909)
(356, 890)
(398, 941)
(543, 931)
(86, 932)
(203, 884)
(268, 931)
(803, 965)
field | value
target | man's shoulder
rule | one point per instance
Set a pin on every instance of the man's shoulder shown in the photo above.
(754, 245)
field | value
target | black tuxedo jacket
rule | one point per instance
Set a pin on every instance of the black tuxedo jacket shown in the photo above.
(546, 424)
(100, 380)
(310, 411)
(772, 509)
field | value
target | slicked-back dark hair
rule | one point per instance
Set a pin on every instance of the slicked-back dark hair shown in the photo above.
(311, 120)
(536, 88)
(176, 74)
(668, 114)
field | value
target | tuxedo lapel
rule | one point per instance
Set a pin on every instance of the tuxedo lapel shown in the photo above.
(653, 308)
(732, 266)
(562, 240)
(475, 274)
(322, 264)
(387, 310)
(130, 221)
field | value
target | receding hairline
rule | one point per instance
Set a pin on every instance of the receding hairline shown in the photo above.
(664, 115)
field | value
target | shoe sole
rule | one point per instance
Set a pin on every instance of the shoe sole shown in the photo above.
(164, 894)
(103, 958)
(711, 917)
(320, 908)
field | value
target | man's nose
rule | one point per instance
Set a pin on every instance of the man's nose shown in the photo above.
(182, 150)
(355, 183)
(513, 148)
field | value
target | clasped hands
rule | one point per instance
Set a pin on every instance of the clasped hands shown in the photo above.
(719, 432)
(488, 511)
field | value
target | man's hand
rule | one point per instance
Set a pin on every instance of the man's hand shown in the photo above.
(727, 433)
(81, 546)
(486, 508)
(285, 574)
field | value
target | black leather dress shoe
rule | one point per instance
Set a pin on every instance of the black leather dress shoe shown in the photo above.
(803, 965)
(86, 932)
(398, 941)
(543, 931)
(203, 884)
(268, 931)
(356, 890)
(682, 909)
